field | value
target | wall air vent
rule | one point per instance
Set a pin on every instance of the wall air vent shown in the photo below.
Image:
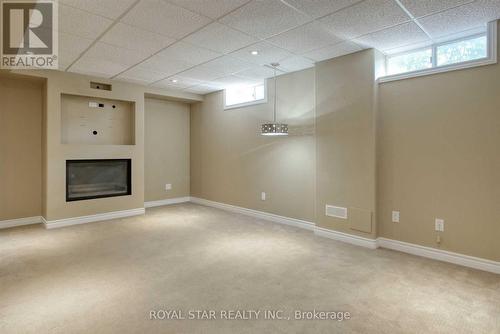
(100, 86)
(336, 211)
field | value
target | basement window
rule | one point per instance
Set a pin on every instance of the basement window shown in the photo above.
(469, 51)
(241, 96)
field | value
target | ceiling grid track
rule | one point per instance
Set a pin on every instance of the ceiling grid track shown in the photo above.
(103, 33)
(414, 20)
(256, 28)
(179, 40)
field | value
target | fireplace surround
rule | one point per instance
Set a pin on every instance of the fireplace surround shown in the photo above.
(97, 178)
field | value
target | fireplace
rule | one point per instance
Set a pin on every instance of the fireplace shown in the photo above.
(89, 179)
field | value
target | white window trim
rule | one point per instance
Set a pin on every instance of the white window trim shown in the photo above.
(489, 60)
(246, 104)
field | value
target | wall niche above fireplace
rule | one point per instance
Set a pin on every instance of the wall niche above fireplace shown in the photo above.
(89, 179)
(96, 121)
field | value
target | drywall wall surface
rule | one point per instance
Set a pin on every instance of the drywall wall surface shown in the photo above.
(21, 112)
(166, 145)
(345, 142)
(438, 157)
(57, 152)
(232, 163)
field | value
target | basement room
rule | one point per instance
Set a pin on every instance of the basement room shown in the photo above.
(249, 166)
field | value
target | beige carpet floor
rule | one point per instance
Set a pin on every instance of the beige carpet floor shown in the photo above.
(107, 277)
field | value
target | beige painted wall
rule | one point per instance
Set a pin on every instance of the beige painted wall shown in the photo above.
(57, 153)
(114, 123)
(20, 147)
(345, 142)
(166, 142)
(58, 83)
(439, 156)
(53, 152)
(232, 163)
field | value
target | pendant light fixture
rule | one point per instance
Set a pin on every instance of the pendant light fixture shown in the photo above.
(274, 128)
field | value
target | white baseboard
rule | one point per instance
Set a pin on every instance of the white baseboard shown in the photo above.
(431, 253)
(257, 214)
(428, 252)
(169, 201)
(92, 218)
(345, 237)
(20, 222)
(441, 255)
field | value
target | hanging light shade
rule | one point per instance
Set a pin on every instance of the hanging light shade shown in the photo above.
(274, 128)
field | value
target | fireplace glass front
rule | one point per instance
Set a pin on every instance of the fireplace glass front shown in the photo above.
(89, 179)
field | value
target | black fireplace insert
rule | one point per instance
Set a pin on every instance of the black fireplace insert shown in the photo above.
(89, 179)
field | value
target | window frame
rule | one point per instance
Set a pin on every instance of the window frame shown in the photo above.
(249, 103)
(431, 47)
(491, 57)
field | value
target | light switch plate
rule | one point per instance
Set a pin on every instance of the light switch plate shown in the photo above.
(439, 225)
(395, 216)
(168, 186)
(262, 196)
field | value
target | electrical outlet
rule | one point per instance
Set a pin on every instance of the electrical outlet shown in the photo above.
(262, 196)
(439, 225)
(395, 216)
(168, 186)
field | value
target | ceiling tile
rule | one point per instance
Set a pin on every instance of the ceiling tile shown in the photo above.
(92, 67)
(132, 80)
(268, 53)
(132, 38)
(318, 8)
(108, 8)
(178, 57)
(165, 85)
(209, 86)
(461, 18)
(189, 53)
(425, 7)
(200, 89)
(70, 47)
(180, 82)
(258, 73)
(106, 51)
(264, 19)
(81, 23)
(214, 9)
(404, 34)
(233, 80)
(408, 47)
(141, 75)
(220, 38)
(333, 51)
(469, 32)
(305, 38)
(101, 55)
(164, 18)
(165, 64)
(296, 63)
(201, 74)
(365, 17)
(227, 65)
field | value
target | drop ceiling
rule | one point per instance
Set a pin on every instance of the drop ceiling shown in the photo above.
(202, 46)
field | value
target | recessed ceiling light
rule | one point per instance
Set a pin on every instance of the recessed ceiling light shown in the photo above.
(174, 80)
(254, 52)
